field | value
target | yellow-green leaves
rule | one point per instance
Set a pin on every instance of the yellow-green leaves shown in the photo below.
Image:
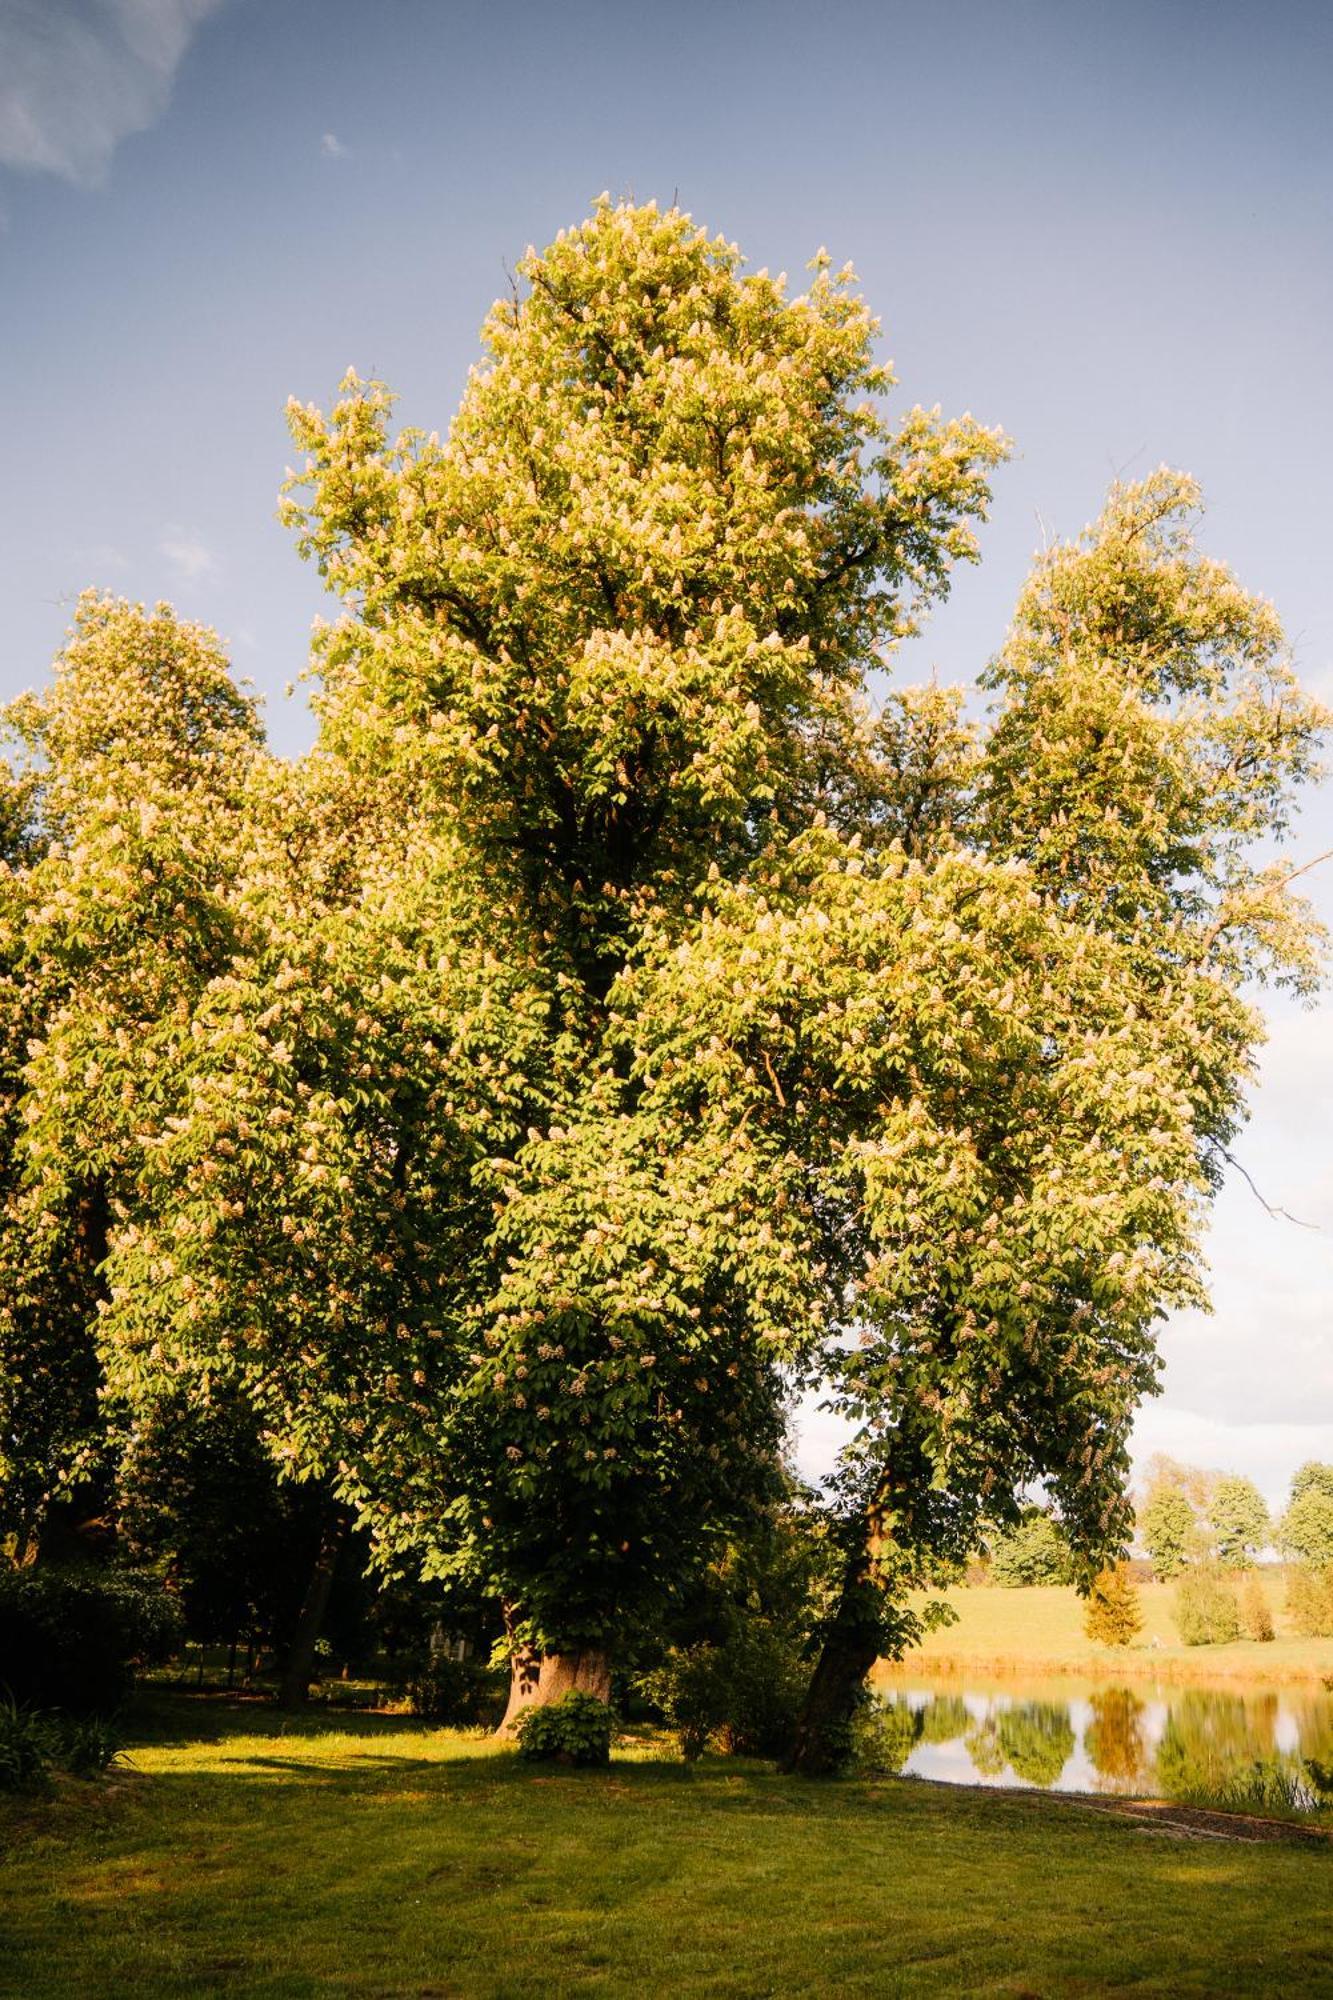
(624, 602)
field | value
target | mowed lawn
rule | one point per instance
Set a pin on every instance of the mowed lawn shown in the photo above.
(1027, 1630)
(383, 1858)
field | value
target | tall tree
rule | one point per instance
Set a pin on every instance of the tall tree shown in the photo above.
(627, 1012)
(1043, 1212)
(121, 815)
(426, 1180)
(1168, 1528)
(1238, 1514)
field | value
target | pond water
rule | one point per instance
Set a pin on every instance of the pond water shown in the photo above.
(1253, 1747)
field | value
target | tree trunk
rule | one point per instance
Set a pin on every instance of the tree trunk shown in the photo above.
(537, 1679)
(299, 1665)
(821, 1744)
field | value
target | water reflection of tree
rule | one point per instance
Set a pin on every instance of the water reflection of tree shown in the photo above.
(1314, 1736)
(983, 1747)
(1209, 1738)
(1034, 1738)
(1037, 1739)
(1114, 1738)
(886, 1737)
(943, 1718)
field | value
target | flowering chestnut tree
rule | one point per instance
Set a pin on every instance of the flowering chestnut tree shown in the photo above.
(620, 1013)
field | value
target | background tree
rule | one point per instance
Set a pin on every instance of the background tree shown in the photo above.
(1238, 1514)
(1032, 1552)
(1306, 1529)
(1148, 735)
(1114, 1615)
(1168, 1528)
(123, 788)
(1311, 1477)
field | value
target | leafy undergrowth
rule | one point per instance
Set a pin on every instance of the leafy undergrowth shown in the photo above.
(248, 1855)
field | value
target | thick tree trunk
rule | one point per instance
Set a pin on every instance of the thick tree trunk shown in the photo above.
(299, 1665)
(821, 1744)
(537, 1679)
(822, 1740)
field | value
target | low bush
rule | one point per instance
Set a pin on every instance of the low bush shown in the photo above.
(1310, 1600)
(90, 1745)
(1255, 1616)
(34, 1742)
(745, 1693)
(1114, 1616)
(27, 1746)
(575, 1730)
(1206, 1612)
(461, 1694)
(72, 1638)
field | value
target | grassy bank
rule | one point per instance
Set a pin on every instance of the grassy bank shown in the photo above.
(1040, 1630)
(381, 1858)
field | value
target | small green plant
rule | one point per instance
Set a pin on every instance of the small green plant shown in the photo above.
(1114, 1616)
(27, 1744)
(575, 1730)
(1255, 1616)
(1206, 1612)
(90, 1745)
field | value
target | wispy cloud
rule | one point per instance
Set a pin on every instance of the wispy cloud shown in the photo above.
(192, 560)
(78, 76)
(332, 147)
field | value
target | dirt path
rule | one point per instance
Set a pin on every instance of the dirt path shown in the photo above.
(1175, 1822)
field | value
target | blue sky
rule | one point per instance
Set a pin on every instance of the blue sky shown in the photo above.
(1109, 230)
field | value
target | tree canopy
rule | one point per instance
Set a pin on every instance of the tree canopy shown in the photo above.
(627, 1009)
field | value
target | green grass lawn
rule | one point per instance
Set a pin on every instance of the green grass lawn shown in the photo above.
(382, 1858)
(1041, 1628)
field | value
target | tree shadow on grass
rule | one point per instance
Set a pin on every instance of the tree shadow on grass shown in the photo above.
(171, 1720)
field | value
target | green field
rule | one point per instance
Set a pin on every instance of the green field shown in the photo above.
(247, 1856)
(1040, 1629)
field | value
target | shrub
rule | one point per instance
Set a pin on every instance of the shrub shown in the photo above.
(90, 1745)
(1032, 1552)
(575, 1730)
(72, 1638)
(1113, 1615)
(690, 1688)
(27, 1743)
(1206, 1613)
(463, 1694)
(1255, 1616)
(1310, 1600)
(746, 1693)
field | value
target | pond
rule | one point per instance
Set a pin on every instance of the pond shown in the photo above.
(1254, 1748)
